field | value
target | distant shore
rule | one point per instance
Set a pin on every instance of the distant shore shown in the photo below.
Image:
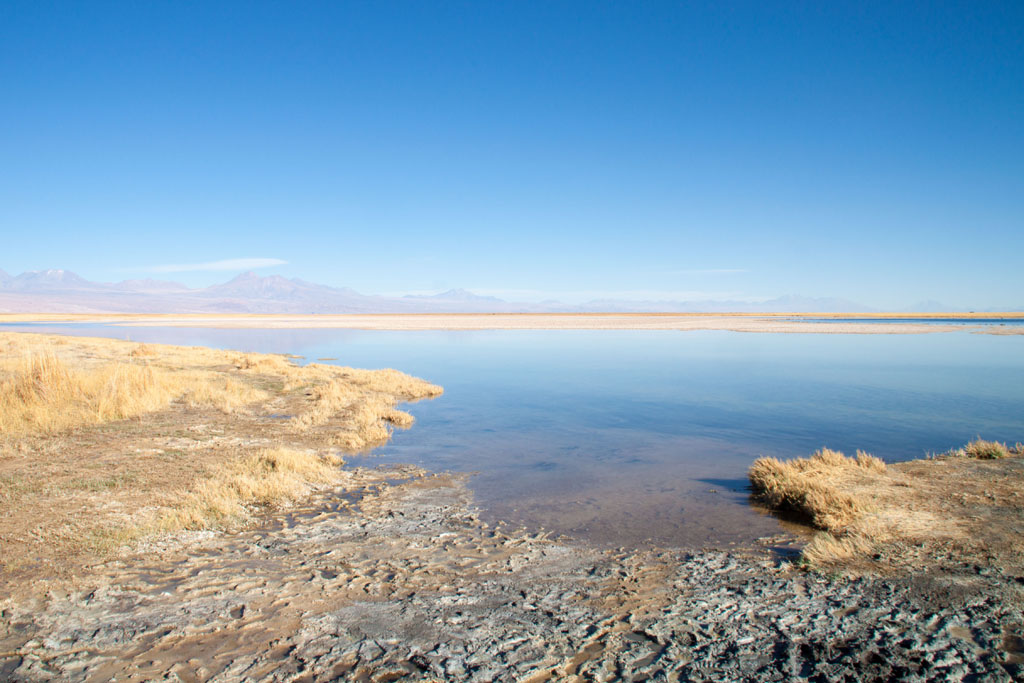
(815, 323)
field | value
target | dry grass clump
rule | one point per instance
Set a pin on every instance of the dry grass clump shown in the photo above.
(983, 450)
(810, 487)
(392, 382)
(260, 362)
(825, 548)
(268, 477)
(371, 422)
(986, 450)
(363, 400)
(47, 387)
(44, 394)
(957, 510)
(143, 351)
(326, 401)
(355, 407)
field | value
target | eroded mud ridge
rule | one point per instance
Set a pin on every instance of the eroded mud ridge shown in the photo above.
(397, 578)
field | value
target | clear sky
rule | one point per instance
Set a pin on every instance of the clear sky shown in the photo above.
(872, 151)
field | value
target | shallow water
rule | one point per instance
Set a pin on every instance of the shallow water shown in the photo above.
(630, 437)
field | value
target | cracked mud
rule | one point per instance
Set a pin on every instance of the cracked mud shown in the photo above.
(395, 577)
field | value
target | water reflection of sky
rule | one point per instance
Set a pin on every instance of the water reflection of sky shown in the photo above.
(626, 435)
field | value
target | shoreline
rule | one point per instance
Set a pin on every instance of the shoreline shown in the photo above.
(387, 573)
(793, 323)
(105, 442)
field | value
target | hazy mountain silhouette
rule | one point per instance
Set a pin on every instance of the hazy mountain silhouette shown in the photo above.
(785, 304)
(462, 295)
(50, 281)
(61, 291)
(148, 285)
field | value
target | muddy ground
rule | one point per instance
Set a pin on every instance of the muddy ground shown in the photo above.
(395, 577)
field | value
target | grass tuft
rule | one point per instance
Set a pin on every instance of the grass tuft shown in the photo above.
(260, 362)
(917, 509)
(365, 401)
(983, 450)
(143, 351)
(268, 477)
(986, 450)
(809, 487)
(43, 394)
(825, 549)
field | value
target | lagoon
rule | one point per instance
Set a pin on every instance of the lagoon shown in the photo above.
(630, 438)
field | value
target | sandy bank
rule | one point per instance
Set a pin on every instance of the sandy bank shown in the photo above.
(737, 322)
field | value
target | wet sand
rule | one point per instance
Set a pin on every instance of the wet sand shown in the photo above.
(737, 322)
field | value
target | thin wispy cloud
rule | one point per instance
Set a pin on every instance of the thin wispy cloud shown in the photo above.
(577, 296)
(580, 296)
(226, 264)
(708, 271)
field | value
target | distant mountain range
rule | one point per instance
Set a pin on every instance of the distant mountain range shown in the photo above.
(61, 291)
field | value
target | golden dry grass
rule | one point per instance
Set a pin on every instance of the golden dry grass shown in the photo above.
(983, 450)
(966, 502)
(46, 387)
(365, 399)
(267, 477)
(362, 400)
(263, 363)
(811, 487)
(43, 394)
(825, 549)
(104, 441)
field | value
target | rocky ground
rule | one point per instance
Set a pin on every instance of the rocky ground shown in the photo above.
(395, 577)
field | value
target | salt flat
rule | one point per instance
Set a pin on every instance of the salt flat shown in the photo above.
(815, 323)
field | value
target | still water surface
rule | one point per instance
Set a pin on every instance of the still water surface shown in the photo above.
(631, 437)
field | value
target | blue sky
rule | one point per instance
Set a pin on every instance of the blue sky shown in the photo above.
(872, 151)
